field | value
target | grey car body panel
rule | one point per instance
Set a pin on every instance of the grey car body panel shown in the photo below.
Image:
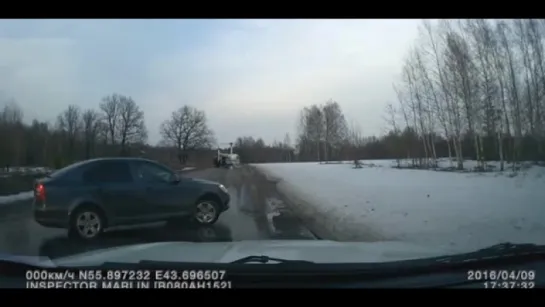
(196, 180)
(162, 199)
(123, 203)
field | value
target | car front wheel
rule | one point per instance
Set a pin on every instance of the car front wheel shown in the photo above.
(207, 212)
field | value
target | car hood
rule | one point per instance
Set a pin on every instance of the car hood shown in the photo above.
(320, 251)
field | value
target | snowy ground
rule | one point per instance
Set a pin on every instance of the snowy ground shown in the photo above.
(23, 170)
(454, 211)
(16, 197)
(5, 174)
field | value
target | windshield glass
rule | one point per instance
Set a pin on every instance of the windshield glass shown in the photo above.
(317, 140)
(65, 170)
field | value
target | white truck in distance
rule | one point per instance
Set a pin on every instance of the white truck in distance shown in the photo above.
(226, 159)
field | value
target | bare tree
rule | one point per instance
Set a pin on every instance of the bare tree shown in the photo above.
(392, 121)
(287, 144)
(287, 140)
(123, 121)
(91, 125)
(482, 83)
(11, 134)
(69, 124)
(187, 129)
(311, 126)
(12, 113)
(335, 128)
(354, 135)
(131, 128)
(110, 108)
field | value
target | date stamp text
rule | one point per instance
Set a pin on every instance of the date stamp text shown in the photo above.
(501, 275)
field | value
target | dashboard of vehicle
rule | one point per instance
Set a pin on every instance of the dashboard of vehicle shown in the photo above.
(520, 274)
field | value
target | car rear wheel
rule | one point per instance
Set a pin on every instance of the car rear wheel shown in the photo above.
(86, 223)
(206, 212)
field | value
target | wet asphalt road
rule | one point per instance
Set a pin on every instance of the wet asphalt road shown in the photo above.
(256, 213)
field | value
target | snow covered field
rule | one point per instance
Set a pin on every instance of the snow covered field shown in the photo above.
(454, 211)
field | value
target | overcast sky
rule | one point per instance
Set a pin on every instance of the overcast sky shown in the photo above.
(251, 77)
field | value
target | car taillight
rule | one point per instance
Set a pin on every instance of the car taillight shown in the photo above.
(40, 192)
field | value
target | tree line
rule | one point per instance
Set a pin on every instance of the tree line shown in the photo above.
(115, 128)
(469, 89)
(477, 84)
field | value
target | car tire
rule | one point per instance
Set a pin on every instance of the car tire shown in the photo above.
(86, 223)
(207, 212)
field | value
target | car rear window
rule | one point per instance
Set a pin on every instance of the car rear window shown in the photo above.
(67, 169)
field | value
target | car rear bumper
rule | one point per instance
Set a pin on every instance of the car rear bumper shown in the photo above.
(50, 218)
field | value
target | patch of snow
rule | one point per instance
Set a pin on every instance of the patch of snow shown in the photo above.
(16, 197)
(185, 169)
(458, 211)
(444, 164)
(272, 209)
(23, 170)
